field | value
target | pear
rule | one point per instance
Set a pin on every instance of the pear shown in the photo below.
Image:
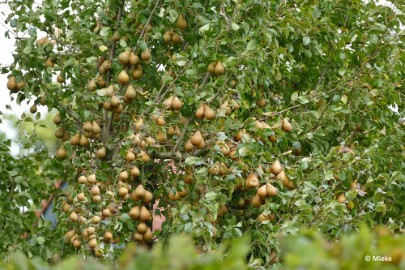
(49, 62)
(144, 214)
(124, 58)
(197, 138)
(134, 59)
(261, 102)
(81, 197)
(168, 102)
(43, 41)
(101, 153)
(341, 198)
(73, 216)
(134, 212)
(60, 78)
(286, 126)
(176, 38)
(167, 37)
(82, 179)
(92, 178)
(138, 237)
(147, 197)
(257, 201)
(59, 133)
(75, 139)
(109, 91)
(130, 93)
(92, 85)
(171, 131)
(219, 68)
(211, 68)
(262, 191)
(146, 55)
(20, 85)
(141, 228)
(116, 36)
(181, 22)
(139, 124)
(84, 141)
(61, 153)
(135, 171)
(227, 108)
(95, 219)
(12, 83)
(108, 237)
(139, 191)
(93, 243)
(95, 190)
(148, 236)
(57, 119)
(130, 156)
(137, 72)
(276, 167)
(252, 181)
(188, 146)
(209, 113)
(160, 121)
(174, 196)
(239, 135)
(200, 111)
(176, 103)
(123, 77)
(144, 156)
(123, 191)
(33, 108)
(95, 127)
(161, 137)
(271, 190)
(87, 126)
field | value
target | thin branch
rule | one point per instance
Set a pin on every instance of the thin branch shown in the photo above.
(183, 133)
(143, 32)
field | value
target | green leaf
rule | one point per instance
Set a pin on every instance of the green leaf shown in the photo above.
(306, 40)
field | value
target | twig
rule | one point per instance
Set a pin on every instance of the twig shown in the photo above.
(183, 133)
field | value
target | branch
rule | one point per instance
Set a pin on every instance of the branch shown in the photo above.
(183, 133)
(143, 32)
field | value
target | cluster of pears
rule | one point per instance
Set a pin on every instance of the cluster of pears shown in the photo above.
(141, 214)
(280, 174)
(196, 140)
(216, 68)
(13, 85)
(204, 111)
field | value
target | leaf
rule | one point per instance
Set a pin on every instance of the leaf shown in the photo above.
(252, 45)
(235, 26)
(210, 196)
(306, 40)
(204, 28)
(105, 31)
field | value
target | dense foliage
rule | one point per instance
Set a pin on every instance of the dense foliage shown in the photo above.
(235, 117)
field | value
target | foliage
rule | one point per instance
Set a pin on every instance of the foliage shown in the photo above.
(360, 250)
(172, 256)
(236, 117)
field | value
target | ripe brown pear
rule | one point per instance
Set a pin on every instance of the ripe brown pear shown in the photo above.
(276, 167)
(211, 68)
(144, 214)
(57, 119)
(123, 77)
(197, 138)
(141, 228)
(257, 201)
(124, 57)
(188, 146)
(135, 172)
(252, 181)
(200, 111)
(60, 78)
(123, 191)
(130, 156)
(181, 22)
(160, 121)
(286, 126)
(95, 127)
(75, 139)
(168, 102)
(271, 190)
(219, 68)
(209, 113)
(93, 243)
(134, 212)
(95, 190)
(146, 55)
(130, 93)
(176, 38)
(73, 216)
(341, 198)
(134, 59)
(147, 197)
(61, 153)
(148, 236)
(262, 191)
(108, 237)
(12, 83)
(84, 141)
(137, 72)
(167, 37)
(33, 108)
(176, 103)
